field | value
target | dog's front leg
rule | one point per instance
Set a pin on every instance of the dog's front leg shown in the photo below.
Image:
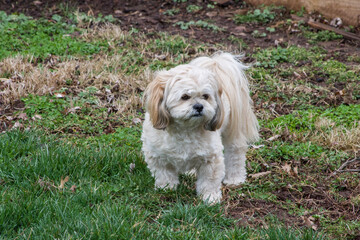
(165, 175)
(210, 175)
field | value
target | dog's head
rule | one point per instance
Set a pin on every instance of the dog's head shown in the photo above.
(186, 95)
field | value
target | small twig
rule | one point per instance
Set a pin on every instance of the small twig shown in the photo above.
(350, 170)
(322, 26)
(340, 169)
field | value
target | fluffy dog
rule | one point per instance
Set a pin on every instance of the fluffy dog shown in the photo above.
(199, 116)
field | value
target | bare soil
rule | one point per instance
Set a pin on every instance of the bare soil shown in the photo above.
(148, 16)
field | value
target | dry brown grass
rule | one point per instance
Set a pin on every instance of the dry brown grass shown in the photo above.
(336, 137)
(105, 72)
(26, 78)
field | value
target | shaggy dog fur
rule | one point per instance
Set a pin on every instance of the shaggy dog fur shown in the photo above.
(199, 116)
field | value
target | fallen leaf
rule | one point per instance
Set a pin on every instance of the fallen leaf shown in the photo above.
(22, 116)
(273, 138)
(309, 222)
(46, 185)
(17, 125)
(295, 171)
(286, 168)
(73, 110)
(73, 188)
(161, 56)
(257, 146)
(63, 181)
(341, 92)
(36, 116)
(277, 42)
(211, 14)
(297, 75)
(37, 2)
(132, 166)
(260, 174)
(59, 95)
(336, 22)
(240, 29)
(136, 120)
(303, 89)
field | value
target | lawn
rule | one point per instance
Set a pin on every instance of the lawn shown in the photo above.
(71, 166)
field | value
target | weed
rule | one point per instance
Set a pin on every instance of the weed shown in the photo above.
(301, 12)
(171, 12)
(257, 34)
(193, 8)
(320, 36)
(256, 16)
(199, 23)
(239, 41)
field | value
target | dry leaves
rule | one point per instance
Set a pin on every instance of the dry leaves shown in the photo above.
(310, 222)
(73, 188)
(260, 174)
(289, 170)
(63, 181)
(273, 138)
(48, 185)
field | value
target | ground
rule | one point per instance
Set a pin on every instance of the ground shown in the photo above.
(77, 71)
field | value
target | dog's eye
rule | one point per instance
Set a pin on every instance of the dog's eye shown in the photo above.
(185, 97)
(205, 96)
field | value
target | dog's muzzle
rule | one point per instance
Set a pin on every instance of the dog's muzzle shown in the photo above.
(198, 108)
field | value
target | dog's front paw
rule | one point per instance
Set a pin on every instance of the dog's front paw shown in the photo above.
(212, 198)
(234, 181)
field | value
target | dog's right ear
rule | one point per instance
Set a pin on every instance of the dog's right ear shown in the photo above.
(155, 102)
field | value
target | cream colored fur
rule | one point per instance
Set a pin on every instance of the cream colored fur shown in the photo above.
(199, 116)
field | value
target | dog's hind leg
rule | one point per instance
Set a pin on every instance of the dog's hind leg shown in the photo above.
(235, 162)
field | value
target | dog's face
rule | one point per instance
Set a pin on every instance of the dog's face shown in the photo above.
(190, 97)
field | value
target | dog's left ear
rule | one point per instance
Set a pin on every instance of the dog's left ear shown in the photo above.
(216, 122)
(155, 102)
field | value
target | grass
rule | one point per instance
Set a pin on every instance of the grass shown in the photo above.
(199, 23)
(257, 16)
(81, 94)
(21, 34)
(110, 200)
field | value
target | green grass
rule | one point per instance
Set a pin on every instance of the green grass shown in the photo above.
(23, 35)
(110, 202)
(257, 16)
(304, 120)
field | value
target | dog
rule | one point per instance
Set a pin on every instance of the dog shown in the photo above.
(199, 116)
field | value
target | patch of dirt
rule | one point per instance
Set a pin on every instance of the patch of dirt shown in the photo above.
(253, 211)
(151, 16)
(319, 200)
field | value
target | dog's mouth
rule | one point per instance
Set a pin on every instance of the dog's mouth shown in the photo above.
(197, 115)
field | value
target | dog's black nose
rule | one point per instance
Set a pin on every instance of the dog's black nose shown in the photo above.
(198, 107)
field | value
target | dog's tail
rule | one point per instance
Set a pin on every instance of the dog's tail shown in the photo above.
(229, 72)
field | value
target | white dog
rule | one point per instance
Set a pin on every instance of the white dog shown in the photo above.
(199, 116)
